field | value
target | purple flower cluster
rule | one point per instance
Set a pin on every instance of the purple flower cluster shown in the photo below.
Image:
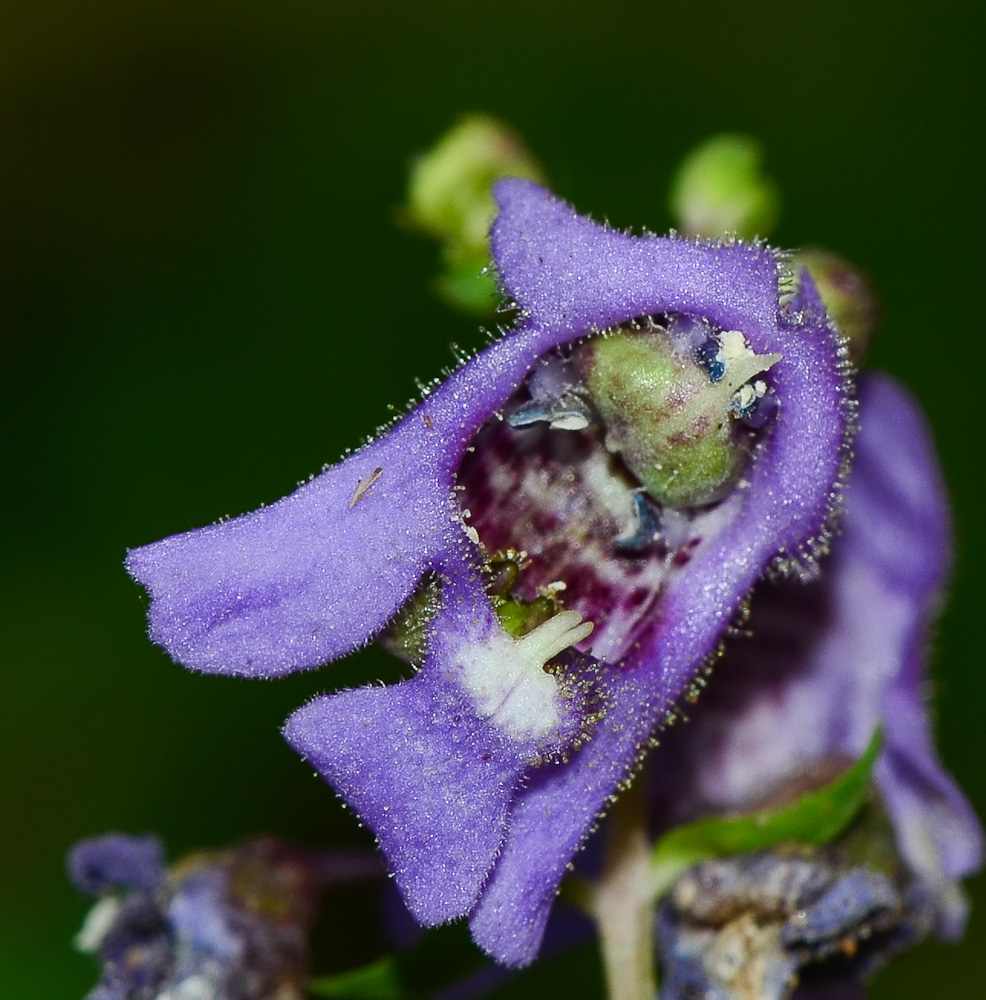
(231, 924)
(483, 773)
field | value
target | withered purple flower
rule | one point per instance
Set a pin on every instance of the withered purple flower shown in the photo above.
(523, 505)
(228, 924)
(765, 924)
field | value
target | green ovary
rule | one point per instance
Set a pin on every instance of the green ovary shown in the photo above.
(690, 474)
(670, 424)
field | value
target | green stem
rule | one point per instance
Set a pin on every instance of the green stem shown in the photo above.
(622, 901)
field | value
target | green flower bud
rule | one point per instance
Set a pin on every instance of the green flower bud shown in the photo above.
(719, 188)
(848, 294)
(670, 423)
(449, 198)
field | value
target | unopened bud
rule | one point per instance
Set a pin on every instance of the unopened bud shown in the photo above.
(848, 294)
(450, 198)
(720, 188)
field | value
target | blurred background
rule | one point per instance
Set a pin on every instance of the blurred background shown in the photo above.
(205, 296)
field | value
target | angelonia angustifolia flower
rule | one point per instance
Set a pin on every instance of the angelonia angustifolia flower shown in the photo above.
(557, 553)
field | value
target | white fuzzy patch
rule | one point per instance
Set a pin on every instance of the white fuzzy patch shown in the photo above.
(506, 680)
(97, 924)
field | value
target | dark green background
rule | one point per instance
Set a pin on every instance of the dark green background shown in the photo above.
(205, 297)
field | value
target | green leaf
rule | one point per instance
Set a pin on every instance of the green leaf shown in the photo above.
(440, 957)
(815, 818)
(379, 980)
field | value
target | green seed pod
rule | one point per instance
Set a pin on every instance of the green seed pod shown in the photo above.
(670, 423)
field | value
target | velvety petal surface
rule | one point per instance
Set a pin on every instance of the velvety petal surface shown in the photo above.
(317, 574)
(429, 764)
(429, 779)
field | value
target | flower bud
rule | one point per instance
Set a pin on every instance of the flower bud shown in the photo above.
(669, 416)
(719, 188)
(848, 294)
(449, 197)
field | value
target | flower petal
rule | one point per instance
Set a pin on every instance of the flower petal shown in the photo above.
(431, 764)
(302, 581)
(435, 792)
(899, 499)
(114, 861)
(317, 574)
(570, 273)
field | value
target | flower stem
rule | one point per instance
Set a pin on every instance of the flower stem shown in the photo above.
(623, 901)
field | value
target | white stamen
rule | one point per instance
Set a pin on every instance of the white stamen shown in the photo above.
(744, 397)
(506, 680)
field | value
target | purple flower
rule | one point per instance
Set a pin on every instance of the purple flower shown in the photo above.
(483, 773)
(751, 925)
(114, 861)
(231, 924)
(829, 661)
